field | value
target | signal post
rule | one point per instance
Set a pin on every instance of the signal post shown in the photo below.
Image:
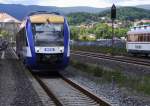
(113, 17)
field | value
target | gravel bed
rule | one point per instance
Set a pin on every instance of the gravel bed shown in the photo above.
(66, 94)
(108, 91)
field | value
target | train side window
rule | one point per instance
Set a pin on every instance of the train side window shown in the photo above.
(26, 43)
(148, 37)
(128, 38)
(24, 40)
(140, 38)
(20, 41)
(134, 38)
(144, 37)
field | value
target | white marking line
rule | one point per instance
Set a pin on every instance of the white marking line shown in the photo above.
(3, 55)
(13, 51)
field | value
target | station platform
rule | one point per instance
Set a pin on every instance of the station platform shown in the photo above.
(17, 86)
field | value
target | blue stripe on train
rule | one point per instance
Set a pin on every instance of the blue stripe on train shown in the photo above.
(30, 60)
(66, 42)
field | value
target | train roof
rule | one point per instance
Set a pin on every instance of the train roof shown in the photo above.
(43, 18)
(140, 29)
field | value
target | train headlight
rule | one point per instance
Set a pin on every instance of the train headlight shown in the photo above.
(37, 51)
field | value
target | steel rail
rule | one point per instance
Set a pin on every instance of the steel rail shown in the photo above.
(48, 91)
(86, 92)
(89, 94)
(124, 59)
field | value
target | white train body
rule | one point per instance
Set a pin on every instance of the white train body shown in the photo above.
(138, 40)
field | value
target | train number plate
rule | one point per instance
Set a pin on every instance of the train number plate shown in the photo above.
(138, 46)
(49, 49)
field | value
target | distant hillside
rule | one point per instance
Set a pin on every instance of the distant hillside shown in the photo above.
(123, 13)
(82, 17)
(129, 13)
(81, 9)
(20, 11)
(144, 6)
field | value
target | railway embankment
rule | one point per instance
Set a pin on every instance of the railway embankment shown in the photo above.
(130, 82)
(127, 67)
(101, 49)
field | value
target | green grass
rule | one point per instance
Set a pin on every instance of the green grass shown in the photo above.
(101, 49)
(139, 84)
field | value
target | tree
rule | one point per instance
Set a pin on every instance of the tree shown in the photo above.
(120, 32)
(102, 31)
(4, 33)
(74, 33)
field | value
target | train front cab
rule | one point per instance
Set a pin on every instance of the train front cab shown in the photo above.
(35, 57)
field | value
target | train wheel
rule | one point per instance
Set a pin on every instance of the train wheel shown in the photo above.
(146, 55)
(134, 54)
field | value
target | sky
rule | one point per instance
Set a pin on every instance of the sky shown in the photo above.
(71, 3)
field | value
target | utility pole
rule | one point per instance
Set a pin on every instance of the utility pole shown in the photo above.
(113, 17)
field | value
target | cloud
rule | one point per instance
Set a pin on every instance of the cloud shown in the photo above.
(70, 3)
(132, 2)
(25, 2)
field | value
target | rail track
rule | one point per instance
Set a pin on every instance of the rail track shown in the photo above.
(124, 59)
(65, 92)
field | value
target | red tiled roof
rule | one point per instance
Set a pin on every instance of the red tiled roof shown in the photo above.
(4, 17)
(145, 20)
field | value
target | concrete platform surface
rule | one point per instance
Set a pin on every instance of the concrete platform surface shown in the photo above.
(17, 87)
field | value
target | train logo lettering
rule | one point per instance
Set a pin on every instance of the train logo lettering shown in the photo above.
(49, 49)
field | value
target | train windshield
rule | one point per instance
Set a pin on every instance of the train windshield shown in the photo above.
(48, 34)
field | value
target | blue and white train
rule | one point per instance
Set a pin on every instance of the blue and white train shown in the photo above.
(43, 41)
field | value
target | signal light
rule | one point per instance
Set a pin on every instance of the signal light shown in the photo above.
(113, 12)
